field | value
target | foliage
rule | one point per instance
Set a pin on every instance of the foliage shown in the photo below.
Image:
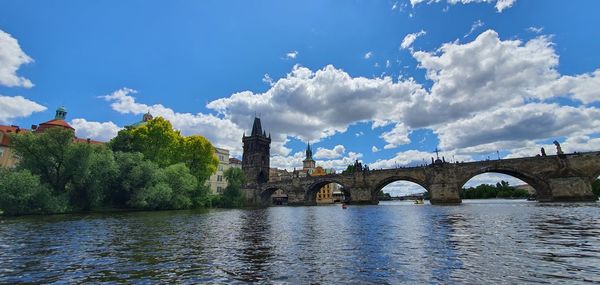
(158, 142)
(199, 155)
(596, 188)
(383, 196)
(486, 191)
(47, 155)
(21, 192)
(233, 196)
(152, 167)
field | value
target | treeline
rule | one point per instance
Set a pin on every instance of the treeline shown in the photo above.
(150, 167)
(486, 191)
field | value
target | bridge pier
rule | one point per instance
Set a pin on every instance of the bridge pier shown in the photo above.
(570, 189)
(359, 195)
(444, 194)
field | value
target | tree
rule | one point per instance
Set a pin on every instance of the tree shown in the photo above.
(156, 140)
(21, 192)
(596, 188)
(91, 181)
(199, 155)
(46, 155)
(233, 196)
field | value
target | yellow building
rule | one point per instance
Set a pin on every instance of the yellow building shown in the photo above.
(217, 181)
(325, 195)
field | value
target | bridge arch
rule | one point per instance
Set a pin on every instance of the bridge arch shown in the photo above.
(540, 186)
(314, 188)
(391, 179)
(267, 193)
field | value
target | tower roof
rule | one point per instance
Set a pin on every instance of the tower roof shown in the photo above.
(308, 152)
(256, 127)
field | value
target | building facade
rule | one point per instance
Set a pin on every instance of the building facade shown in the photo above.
(217, 181)
(7, 158)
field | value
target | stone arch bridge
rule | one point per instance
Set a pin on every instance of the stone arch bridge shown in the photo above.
(554, 178)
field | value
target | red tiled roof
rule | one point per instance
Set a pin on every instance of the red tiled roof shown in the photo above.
(8, 130)
(54, 123)
(234, 160)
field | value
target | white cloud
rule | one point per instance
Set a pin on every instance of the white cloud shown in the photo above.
(359, 134)
(11, 59)
(295, 161)
(368, 55)
(290, 105)
(527, 122)
(584, 87)
(374, 149)
(395, 6)
(101, 131)
(477, 24)
(500, 4)
(337, 151)
(536, 30)
(221, 132)
(17, 107)
(410, 39)
(387, 63)
(267, 79)
(397, 136)
(291, 54)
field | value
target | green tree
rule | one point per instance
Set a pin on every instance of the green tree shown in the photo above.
(135, 175)
(47, 155)
(233, 196)
(92, 179)
(596, 188)
(156, 140)
(199, 155)
(21, 192)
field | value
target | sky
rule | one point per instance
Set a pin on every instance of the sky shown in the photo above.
(384, 82)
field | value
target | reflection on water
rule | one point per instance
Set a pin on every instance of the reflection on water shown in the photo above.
(479, 242)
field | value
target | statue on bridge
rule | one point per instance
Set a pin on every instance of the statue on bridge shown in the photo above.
(558, 148)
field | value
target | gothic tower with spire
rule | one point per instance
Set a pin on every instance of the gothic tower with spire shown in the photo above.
(308, 163)
(255, 160)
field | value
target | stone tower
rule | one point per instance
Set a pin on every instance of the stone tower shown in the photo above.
(308, 163)
(255, 160)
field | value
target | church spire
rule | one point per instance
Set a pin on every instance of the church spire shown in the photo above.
(308, 152)
(256, 127)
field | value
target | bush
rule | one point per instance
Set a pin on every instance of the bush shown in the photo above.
(22, 193)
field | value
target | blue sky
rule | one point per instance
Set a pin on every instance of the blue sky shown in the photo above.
(385, 82)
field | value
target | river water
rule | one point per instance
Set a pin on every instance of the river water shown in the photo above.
(479, 242)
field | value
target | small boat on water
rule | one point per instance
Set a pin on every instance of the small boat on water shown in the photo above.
(344, 206)
(419, 202)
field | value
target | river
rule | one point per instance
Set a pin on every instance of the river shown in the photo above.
(478, 242)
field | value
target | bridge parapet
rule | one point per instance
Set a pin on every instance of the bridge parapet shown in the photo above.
(555, 178)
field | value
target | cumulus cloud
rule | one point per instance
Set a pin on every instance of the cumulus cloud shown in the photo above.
(295, 161)
(410, 39)
(221, 132)
(397, 136)
(500, 4)
(101, 131)
(291, 55)
(481, 75)
(368, 55)
(374, 149)
(11, 59)
(17, 107)
(337, 151)
(290, 106)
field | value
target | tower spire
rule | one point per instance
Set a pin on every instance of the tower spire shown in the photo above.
(256, 127)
